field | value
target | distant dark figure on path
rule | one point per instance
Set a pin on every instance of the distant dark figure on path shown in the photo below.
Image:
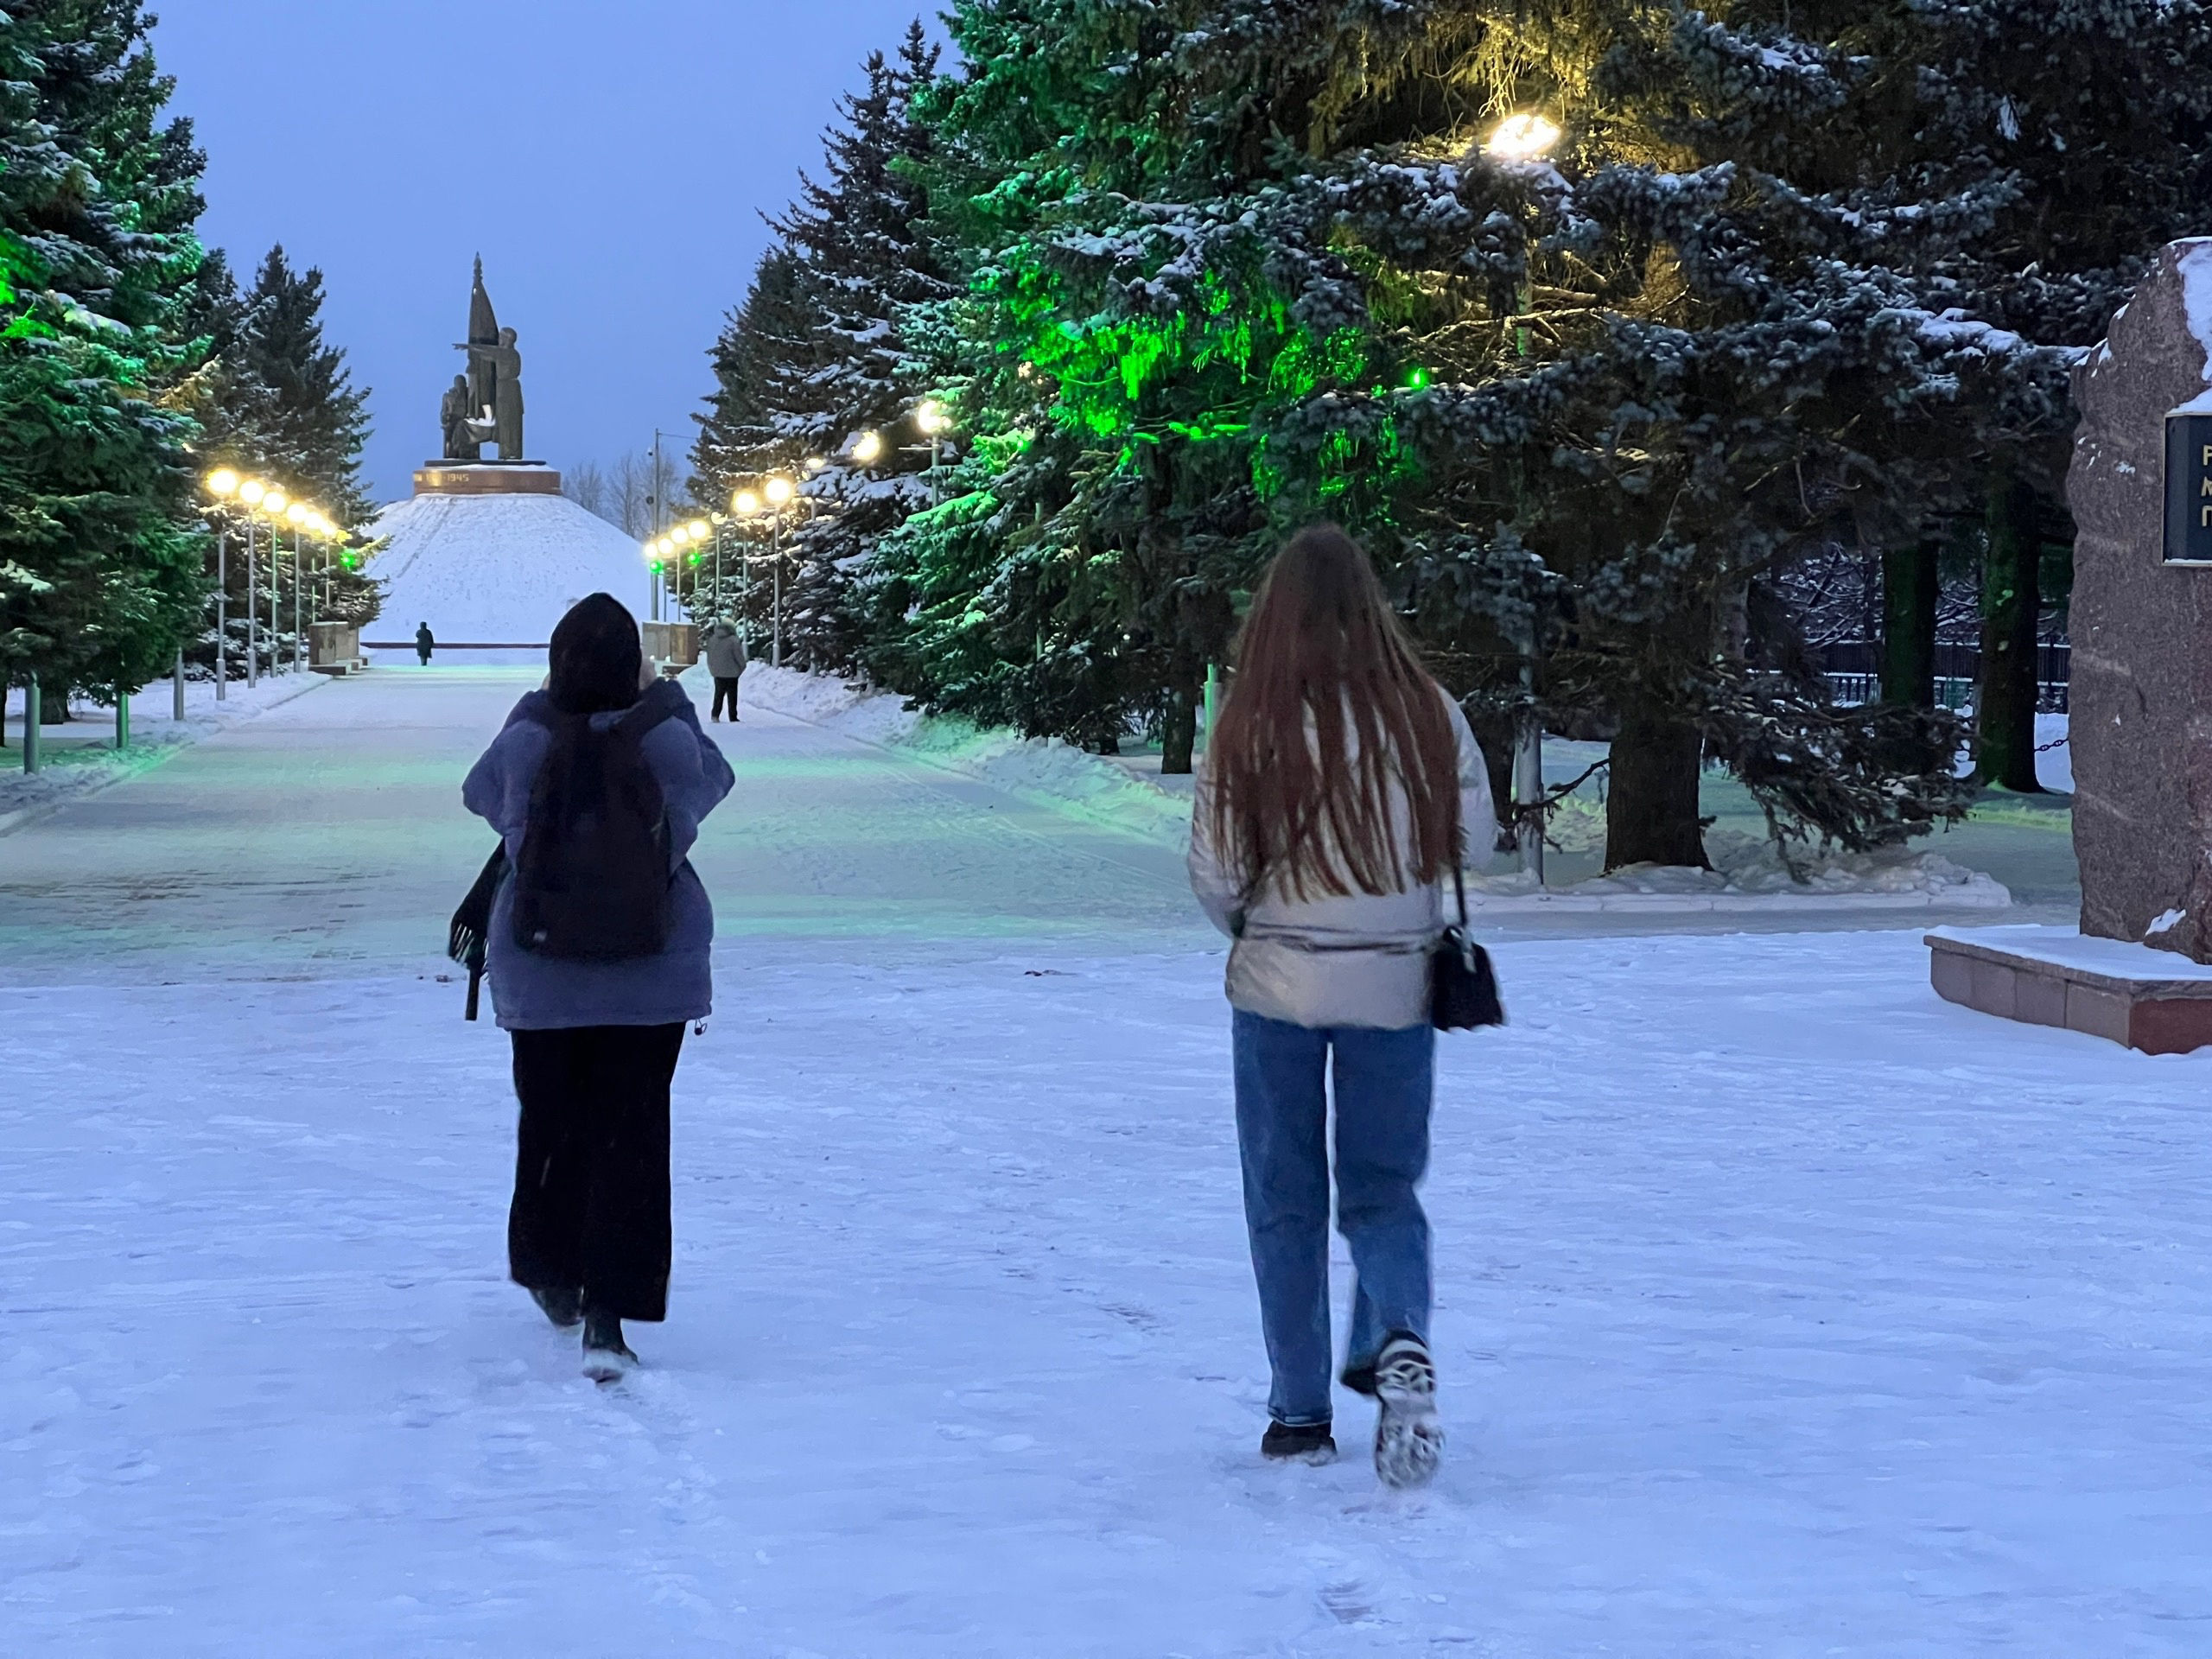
(597, 958)
(423, 643)
(726, 661)
(1333, 801)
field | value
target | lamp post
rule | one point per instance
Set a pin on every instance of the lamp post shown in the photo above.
(273, 503)
(932, 421)
(252, 493)
(1528, 138)
(298, 513)
(777, 492)
(222, 484)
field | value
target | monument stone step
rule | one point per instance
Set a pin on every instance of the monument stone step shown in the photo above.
(2155, 1000)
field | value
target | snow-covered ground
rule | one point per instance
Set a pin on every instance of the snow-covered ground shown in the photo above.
(1749, 876)
(79, 757)
(1783, 1307)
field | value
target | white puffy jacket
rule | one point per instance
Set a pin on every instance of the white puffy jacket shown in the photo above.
(1360, 959)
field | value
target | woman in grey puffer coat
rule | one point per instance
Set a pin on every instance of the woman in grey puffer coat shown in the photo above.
(595, 1043)
(1341, 786)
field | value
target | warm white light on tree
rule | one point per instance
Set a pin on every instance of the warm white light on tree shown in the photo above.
(223, 482)
(745, 504)
(251, 491)
(1523, 137)
(777, 490)
(867, 448)
(931, 418)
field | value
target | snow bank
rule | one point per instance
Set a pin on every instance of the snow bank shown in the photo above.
(1043, 770)
(2194, 266)
(71, 764)
(1750, 872)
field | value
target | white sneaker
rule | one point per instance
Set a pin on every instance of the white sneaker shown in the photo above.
(1409, 1439)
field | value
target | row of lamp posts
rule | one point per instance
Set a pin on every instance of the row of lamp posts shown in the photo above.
(775, 498)
(258, 504)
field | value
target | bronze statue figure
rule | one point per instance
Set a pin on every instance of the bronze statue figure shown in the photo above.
(485, 403)
(462, 440)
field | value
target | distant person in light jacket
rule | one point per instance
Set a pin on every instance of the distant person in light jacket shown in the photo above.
(726, 660)
(1339, 786)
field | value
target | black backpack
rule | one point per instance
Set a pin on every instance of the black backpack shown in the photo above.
(592, 882)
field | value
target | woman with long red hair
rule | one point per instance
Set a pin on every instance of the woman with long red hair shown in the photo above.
(1341, 788)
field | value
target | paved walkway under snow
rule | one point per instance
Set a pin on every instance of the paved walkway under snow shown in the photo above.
(1785, 1309)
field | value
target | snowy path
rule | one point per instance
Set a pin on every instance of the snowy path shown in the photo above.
(1784, 1309)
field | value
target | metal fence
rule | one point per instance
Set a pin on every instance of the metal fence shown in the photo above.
(1853, 677)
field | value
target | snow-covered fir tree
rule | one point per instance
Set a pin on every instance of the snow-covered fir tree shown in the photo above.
(99, 557)
(280, 404)
(814, 374)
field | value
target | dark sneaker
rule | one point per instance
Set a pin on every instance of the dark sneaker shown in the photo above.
(1409, 1439)
(1359, 1376)
(1299, 1443)
(565, 1308)
(608, 1358)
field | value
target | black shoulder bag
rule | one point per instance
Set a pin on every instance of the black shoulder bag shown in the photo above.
(1462, 985)
(471, 928)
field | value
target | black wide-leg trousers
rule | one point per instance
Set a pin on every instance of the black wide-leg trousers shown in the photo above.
(591, 1201)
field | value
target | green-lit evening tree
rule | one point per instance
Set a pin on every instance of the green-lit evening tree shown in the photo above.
(99, 558)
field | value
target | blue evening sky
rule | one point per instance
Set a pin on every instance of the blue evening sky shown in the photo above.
(611, 162)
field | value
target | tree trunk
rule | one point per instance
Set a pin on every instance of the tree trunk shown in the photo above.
(2004, 701)
(1652, 799)
(1178, 736)
(1909, 590)
(54, 709)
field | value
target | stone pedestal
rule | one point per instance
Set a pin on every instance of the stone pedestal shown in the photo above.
(2141, 730)
(2146, 999)
(487, 477)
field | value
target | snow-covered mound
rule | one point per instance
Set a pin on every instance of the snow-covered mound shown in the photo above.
(496, 569)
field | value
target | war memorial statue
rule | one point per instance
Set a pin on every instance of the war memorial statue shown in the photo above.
(485, 404)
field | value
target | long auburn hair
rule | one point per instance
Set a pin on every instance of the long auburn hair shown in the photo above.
(1329, 708)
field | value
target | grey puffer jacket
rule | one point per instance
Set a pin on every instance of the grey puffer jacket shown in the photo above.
(1357, 959)
(533, 993)
(726, 655)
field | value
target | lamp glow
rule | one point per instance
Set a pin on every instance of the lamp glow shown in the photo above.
(251, 491)
(777, 490)
(745, 504)
(931, 418)
(696, 530)
(299, 512)
(274, 503)
(1524, 137)
(867, 448)
(223, 482)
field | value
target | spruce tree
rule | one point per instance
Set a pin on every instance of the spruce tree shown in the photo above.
(99, 557)
(308, 419)
(818, 357)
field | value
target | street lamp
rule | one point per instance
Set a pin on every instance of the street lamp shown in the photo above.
(299, 514)
(273, 503)
(931, 418)
(1527, 137)
(222, 484)
(777, 493)
(867, 448)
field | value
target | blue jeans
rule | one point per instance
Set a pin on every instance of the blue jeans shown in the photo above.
(1384, 1084)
